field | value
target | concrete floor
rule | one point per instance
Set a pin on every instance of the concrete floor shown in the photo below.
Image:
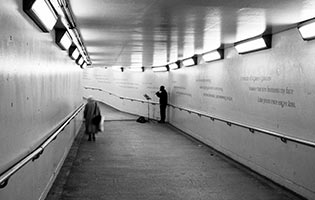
(150, 161)
(111, 114)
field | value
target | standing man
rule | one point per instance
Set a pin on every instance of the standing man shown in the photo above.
(162, 94)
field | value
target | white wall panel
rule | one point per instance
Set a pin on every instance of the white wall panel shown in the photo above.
(270, 89)
(39, 86)
(126, 84)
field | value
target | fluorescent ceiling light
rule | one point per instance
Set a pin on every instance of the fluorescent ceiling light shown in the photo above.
(188, 62)
(137, 69)
(80, 61)
(160, 69)
(75, 54)
(307, 30)
(63, 39)
(84, 65)
(66, 41)
(212, 56)
(118, 68)
(173, 66)
(252, 45)
(41, 12)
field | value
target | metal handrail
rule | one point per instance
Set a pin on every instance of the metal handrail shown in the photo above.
(284, 138)
(122, 97)
(5, 176)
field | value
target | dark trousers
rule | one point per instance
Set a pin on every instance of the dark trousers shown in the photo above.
(162, 112)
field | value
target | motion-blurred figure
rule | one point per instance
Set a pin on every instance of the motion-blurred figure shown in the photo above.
(91, 110)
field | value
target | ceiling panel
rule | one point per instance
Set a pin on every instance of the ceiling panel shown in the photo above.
(154, 32)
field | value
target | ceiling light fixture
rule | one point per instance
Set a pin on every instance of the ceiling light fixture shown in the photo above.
(84, 65)
(213, 55)
(65, 7)
(160, 69)
(136, 69)
(174, 66)
(254, 44)
(63, 39)
(74, 52)
(188, 62)
(41, 12)
(307, 29)
(118, 68)
(80, 60)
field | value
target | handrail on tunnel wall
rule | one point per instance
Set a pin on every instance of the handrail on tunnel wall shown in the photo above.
(35, 154)
(283, 137)
(122, 97)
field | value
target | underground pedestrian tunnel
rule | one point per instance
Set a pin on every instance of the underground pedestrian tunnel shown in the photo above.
(240, 110)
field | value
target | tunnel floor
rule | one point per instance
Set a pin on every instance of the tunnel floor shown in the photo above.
(133, 161)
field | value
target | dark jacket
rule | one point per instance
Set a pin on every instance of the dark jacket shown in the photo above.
(162, 94)
(91, 109)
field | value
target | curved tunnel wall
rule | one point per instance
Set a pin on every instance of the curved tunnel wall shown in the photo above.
(39, 86)
(271, 89)
(127, 84)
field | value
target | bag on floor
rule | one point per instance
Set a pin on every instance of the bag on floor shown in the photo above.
(141, 120)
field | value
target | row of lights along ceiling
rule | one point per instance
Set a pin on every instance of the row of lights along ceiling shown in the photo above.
(46, 14)
(54, 14)
(306, 29)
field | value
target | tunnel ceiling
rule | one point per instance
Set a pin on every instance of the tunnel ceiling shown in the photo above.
(132, 33)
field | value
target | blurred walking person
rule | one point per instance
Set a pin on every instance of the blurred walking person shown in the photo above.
(92, 117)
